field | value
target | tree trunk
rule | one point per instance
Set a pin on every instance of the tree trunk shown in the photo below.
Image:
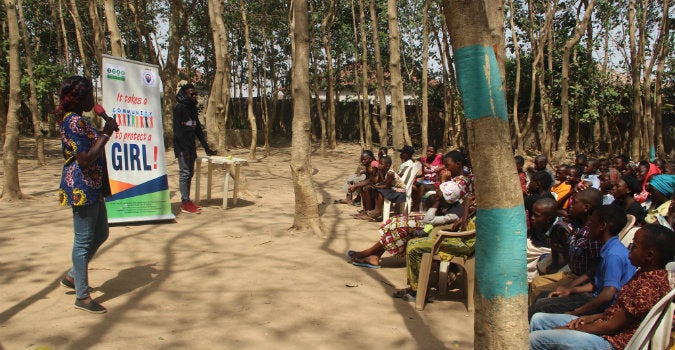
(636, 81)
(219, 96)
(657, 55)
(33, 103)
(365, 102)
(249, 77)
(169, 73)
(263, 90)
(116, 45)
(520, 149)
(397, 103)
(565, 80)
(306, 218)
(501, 294)
(658, 97)
(330, 91)
(64, 35)
(381, 121)
(11, 189)
(447, 90)
(315, 87)
(79, 34)
(99, 32)
(425, 76)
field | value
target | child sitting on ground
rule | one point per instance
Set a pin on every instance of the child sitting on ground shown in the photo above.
(595, 290)
(652, 248)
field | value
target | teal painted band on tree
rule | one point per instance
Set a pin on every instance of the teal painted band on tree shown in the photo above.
(501, 265)
(481, 88)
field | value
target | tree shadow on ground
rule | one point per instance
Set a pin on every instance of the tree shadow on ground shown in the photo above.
(127, 281)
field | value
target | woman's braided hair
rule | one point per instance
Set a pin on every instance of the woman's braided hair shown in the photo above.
(71, 94)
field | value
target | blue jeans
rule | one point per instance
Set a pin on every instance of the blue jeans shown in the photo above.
(186, 168)
(543, 336)
(90, 223)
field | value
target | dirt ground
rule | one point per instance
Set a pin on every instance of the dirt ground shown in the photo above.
(224, 279)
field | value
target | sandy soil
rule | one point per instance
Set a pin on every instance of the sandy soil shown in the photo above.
(225, 279)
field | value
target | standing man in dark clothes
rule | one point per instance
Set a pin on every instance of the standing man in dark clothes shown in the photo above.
(186, 126)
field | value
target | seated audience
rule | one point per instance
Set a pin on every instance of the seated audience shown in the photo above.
(562, 188)
(579, 252)
(389, 185)
(363, 188)
(595, 290)
(450, 247)
(395, 232)
(542, 218)
(539, 187)
(645, 171)
(540, 164)
(522, 176)
(429, 180)
(366, 166)
(653, 247)
(623, 192)
(574, 181)
(406, 154)
(661, 188)
(590, 173)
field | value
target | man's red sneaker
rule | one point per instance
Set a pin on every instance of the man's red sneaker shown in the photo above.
(190, 208)
(195, 205)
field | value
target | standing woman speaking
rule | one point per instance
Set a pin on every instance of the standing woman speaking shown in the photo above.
(84, 182)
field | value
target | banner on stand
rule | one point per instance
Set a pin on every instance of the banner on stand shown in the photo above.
(135, 154)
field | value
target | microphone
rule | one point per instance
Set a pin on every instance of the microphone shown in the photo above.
(99, 110)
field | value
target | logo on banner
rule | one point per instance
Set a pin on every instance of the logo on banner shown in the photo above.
(115, 72)
(148, 78)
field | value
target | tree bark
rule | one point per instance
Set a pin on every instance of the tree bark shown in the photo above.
(636, 62)
(79, 34)
(397, 103)
(565, 80)
(169, 72)
(306, 218)
(98, 31)
(219, 96)
(658, 97)
(425, 76)
(520, 148)
(32, 102)
(330, 91)
(249, 77)
(657, 52)
(501, 294)
(365, 101)
(116, 45)
(11, 189)
(64, 36)
(381, 121)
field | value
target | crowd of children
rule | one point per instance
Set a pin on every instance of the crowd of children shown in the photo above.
(583, 278)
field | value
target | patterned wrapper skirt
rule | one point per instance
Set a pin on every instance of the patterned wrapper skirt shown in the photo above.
(395, 232)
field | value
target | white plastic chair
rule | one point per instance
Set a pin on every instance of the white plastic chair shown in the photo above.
(408, 178)
(654, 330)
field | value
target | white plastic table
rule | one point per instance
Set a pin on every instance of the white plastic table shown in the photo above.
(227, 163)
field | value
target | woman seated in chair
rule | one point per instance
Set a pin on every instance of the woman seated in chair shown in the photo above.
(432, 165)
(395, 232)
(363, 187)
(450, 248)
